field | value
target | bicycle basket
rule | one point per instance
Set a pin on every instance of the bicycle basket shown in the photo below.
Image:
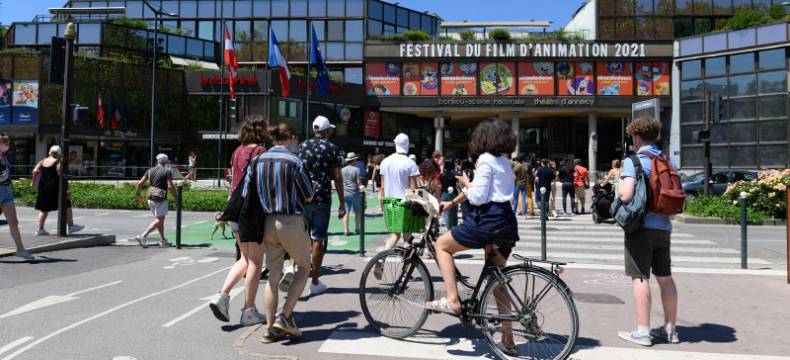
(399, 218)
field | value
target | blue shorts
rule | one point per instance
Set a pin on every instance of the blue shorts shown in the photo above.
(352, 203)
(317, 216)
(492, 223)
(6, 195)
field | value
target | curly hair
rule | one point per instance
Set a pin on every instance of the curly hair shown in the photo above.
(253, 130)
(646, 127)
(428, 168)
(492, 136)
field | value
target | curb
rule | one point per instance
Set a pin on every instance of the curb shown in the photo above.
(88, 241)
(686, 219)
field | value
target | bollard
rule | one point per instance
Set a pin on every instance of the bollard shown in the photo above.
(543, 217)
(744, 264)
(179, 202)
(361, 221)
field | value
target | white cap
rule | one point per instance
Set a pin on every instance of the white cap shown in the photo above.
(162, 158)
(55, 149)
(321, 123)
(401, 143)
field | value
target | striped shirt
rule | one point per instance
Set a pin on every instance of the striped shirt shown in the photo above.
(281, 182)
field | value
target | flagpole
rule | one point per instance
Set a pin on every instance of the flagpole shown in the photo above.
(221, 107)
(308, 76)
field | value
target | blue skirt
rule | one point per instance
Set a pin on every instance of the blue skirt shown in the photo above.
(491, 223)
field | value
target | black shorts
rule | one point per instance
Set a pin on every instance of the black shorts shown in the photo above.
(646, 250)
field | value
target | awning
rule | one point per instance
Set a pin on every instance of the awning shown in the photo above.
(177, 61)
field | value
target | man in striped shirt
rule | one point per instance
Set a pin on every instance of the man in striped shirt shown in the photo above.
(280, 181)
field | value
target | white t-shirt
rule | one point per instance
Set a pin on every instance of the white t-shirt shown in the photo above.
(396, 170)
(494, 181)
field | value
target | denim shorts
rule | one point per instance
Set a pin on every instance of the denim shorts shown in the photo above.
(317, 216)
(352, 203)
(6, 195)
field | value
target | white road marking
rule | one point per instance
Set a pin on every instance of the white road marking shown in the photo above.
(619, 256)
(199, 222)
(619, 240)
(53, 300)
(107, 312)
(180, 259)
(208, 260)
(675, 249)
(15, 343)
(102, 214)
(233, 293)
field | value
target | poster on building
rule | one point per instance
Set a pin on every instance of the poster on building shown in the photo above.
(459, 79)
(575, 78)
(429, 79)
(372, 125)
(644, 78)
(25, 102)
(536, 78)
(6, 95)
(615, 78)
(661, 78)
(382, 79)
(75, 159)
(497, 79)
(411, 79)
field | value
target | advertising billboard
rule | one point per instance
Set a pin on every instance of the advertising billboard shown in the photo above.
(497, 79)
(652, 79)
(420, 79)
(382, 79)
(372, 125)
(536, 78)
(615, 78)
(25, 102)
(459, 79)
(575, 78)
(6, 96)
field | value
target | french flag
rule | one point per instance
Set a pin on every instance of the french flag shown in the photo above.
(277, 60)
(231, 63)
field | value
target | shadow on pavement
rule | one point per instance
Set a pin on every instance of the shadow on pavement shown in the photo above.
(38, 260)
(713, 333)
(318, 318)
(231, 328)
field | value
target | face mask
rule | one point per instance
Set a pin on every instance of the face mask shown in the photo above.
(3, 148)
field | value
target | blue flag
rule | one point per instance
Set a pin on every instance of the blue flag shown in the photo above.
(322, 79)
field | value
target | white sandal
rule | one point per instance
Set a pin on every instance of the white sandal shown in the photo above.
(442, 306)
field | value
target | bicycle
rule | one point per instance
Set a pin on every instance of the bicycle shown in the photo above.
(396, 280)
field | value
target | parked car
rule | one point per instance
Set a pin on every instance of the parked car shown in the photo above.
(719, 180)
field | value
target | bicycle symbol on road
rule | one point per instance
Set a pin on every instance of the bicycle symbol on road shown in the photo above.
(188, 261)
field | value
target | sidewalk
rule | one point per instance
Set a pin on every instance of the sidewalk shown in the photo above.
(38, 244)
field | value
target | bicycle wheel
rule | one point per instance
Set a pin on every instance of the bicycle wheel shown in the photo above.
(393, 291)
(547, 325)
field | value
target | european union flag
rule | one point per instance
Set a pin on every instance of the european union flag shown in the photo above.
(322, 79)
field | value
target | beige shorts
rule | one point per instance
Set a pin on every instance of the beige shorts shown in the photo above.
(286, 234)
(158, 208)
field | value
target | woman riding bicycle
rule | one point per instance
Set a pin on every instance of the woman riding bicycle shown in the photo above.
(491, 218)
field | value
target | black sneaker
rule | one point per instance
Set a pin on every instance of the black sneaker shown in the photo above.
(265, 274)
(272, 335)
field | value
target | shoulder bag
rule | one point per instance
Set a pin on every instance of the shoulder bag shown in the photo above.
(631, 216)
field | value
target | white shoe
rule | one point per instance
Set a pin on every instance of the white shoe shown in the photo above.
(73, 228)
(282, 324)
(285, 283)
(164, 243)
(661, 333)
(141, 240)
(317, 289)
(251, 316)
(25, 255)
(219, 305)
(629, 336)
(41, 232)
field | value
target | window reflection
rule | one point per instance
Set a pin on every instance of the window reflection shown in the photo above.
(772, 59)
(280, 8)
(742, 63)
(354, 30)
(336, 8)
(773, 82)
(743, 85)
(317, 7)
(375, 9)
(715, 66)
(691, 69)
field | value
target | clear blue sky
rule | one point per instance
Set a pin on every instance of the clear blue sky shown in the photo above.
(559, 11)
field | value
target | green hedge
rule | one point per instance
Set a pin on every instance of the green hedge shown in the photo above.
(723, 208)
(101, 196)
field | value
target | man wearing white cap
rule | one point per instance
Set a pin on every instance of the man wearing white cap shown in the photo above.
(323, 162)
(398, 173)
(161, 181)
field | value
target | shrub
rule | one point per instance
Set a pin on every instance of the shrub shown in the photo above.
(766, 194)
(747, 17)
(416, 35)
(723, 208)
(777, 12)
(468, 35)
(135, 23)
(445, 39)
(499, 35)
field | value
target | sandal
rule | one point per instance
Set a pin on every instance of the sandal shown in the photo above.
(441, 306)
(510, 350)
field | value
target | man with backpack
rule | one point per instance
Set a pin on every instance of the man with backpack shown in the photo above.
(647, 239)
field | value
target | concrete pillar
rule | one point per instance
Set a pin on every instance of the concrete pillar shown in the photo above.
(592, 147)
(515, 125)
(438, 124)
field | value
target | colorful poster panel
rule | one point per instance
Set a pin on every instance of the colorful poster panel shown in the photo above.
(661, 79)
(644, 78)
(6, 96)
(372, 125)
(411, 79)
(536, 78)
(25, 102)
(575, 78)
(497, 79)
(459, 79)
(382, 79)
(615, 79)
(420, 79)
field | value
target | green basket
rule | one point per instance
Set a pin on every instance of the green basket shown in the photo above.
(400, 219)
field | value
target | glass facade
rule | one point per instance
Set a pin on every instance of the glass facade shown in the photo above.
(753, 131)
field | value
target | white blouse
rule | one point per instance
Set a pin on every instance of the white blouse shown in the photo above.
(493, 182)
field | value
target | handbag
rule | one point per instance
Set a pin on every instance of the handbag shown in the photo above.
(154, 193)
(630, 217)
(232, 211)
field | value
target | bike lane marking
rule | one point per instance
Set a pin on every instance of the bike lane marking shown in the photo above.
(107, 312)
(15, 343)
(53, 300)
(203, 306)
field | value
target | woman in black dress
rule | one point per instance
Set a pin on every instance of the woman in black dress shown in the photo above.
(48, 170)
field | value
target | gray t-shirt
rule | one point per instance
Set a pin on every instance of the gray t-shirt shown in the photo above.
(159, 176)
(350, 180)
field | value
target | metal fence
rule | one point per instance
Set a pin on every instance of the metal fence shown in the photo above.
(105, 173)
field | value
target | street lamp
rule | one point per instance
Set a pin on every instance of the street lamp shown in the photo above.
(157, 13)
(68, 75)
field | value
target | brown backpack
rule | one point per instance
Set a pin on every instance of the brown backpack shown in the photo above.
(666, 191)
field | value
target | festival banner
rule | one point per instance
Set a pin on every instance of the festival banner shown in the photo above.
(429, 79)
(411, 78)
(6, 96)
(661, 79)
(644, 78)
(25, 102)
(536, 78)
(372, 125)
(615, 78)
(497, 79)
(382, 79)
(459, 79)
(575, 78)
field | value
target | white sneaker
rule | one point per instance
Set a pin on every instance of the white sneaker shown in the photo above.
(629, 336)
(317, 289)
(285, 283)
(251, 316)
(164, 243)
(281, 323)
(219, 305)
(25, 255)
(41, 232)
(661, 333)
(141, 240)
(73, 228)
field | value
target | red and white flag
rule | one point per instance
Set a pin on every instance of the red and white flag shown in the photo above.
(231, 63)
(100, 112)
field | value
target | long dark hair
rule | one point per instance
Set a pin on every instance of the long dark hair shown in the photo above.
(492, 136)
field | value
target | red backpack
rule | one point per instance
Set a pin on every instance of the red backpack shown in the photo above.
(666, 192)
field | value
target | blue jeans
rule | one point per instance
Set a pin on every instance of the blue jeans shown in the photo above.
(317, 216)
(567, 189)
(6, 195)
(521, 191)
(451, 214)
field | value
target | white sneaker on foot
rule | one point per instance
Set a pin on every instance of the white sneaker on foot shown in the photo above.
(41, 232)
(164, 243)
(630, 336)
(25, 255)
(661, 333)
(219, 305)
(251, 316)
(141, 240)
(281, 323)
(285, 283)
(317, 289)
(73, 228)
